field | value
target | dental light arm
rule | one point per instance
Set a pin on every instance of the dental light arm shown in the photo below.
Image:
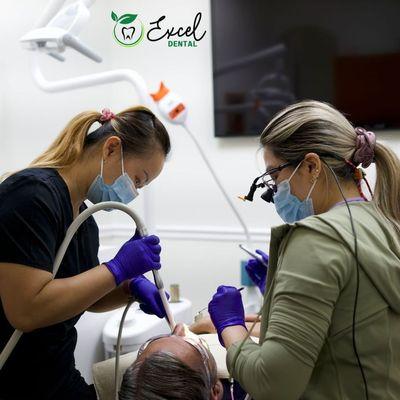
(54, 41)
(90, 80)
(76, 44)
(62, 31)
(51, 9)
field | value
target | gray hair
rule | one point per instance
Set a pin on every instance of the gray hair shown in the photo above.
(163, 376)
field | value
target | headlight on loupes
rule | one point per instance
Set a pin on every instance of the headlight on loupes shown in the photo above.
(267, 195)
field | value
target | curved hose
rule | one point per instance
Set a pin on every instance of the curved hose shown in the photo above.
(57, 262)
(118, 349)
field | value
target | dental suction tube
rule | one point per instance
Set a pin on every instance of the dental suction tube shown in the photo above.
(60, 255)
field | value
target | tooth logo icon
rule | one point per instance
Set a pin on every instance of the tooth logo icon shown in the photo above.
(128, 29)
(128, 32)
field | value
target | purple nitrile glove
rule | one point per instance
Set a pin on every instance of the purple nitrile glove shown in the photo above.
(135, 258)
(226, 309)
(146, 293)
(257, 271)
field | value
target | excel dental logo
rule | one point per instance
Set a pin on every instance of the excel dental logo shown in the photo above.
(128, 29)
(181, 36)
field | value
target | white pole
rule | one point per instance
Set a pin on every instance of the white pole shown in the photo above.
(84, 81)
(220, 185)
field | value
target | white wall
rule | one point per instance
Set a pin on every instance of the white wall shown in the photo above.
(187, 201)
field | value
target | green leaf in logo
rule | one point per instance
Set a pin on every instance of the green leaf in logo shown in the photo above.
(114, 16)
(127, 18)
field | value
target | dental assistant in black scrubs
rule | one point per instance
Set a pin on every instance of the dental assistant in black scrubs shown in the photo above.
(37, 205)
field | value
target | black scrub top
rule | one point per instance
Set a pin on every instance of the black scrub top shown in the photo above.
(35, 213)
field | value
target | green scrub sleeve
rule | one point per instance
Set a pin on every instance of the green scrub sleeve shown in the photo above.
(308, 282)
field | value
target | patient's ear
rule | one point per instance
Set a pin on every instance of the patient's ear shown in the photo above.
(217, 391)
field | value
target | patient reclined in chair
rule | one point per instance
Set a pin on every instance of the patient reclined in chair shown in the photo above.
(178, 366)
(173, 367)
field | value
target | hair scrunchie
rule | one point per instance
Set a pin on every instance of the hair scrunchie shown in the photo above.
(365, 147)
(106, 115)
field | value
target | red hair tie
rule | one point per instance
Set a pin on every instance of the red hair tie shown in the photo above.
(106, 115)
(358, 176)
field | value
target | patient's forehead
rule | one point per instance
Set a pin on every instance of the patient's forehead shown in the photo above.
(178, 347)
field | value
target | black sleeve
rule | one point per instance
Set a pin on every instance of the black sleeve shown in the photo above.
(29, 225)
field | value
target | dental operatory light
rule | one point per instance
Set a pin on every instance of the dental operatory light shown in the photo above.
(61, 32)
(170, 105)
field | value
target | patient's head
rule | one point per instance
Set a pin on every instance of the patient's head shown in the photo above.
(172, 367)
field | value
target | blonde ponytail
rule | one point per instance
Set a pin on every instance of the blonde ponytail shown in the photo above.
(387, 186)
(68, 147)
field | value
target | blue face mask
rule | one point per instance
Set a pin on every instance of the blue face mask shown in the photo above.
(122, 190)
(288, 206)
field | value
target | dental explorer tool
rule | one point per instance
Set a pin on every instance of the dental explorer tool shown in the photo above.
(253, 254)
(198, 314)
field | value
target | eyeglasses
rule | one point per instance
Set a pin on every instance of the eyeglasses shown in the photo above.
(198, 343)
(266, 181)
